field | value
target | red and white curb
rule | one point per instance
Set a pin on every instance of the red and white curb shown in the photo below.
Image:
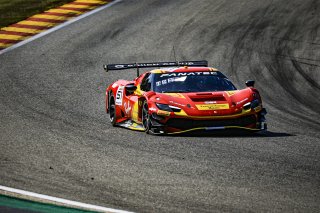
(49, 21)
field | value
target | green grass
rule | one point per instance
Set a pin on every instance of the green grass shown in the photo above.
(13, 11)
(16, 204)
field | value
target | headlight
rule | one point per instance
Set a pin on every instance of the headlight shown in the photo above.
(168, 108)
(253, 104)
(247, 106)
(164, 107)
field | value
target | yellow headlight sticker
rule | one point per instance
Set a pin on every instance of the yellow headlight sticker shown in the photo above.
(212, 106)
(163, 113)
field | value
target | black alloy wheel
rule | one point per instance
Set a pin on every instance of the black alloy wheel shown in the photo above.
(146, 117)
(112, 110)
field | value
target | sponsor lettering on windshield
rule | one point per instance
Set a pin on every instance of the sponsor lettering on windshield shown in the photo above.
(177, 74)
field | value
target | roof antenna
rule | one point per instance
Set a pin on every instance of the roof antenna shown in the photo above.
(174, 55)
(137, 69)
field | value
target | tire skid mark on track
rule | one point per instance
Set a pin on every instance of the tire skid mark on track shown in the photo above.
(284, 56)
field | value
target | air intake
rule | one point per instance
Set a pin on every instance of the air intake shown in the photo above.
(207, 97)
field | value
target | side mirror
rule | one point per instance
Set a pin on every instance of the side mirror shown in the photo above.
(250, 83)
(130, 88)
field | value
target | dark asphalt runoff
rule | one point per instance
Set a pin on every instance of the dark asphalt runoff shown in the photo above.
(55, 137)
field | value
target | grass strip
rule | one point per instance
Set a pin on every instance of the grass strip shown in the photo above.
(16, 203)
(13, 11)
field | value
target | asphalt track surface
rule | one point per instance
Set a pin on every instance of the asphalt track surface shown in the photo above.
(55, 137)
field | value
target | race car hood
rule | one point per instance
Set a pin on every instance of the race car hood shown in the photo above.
(207, 103)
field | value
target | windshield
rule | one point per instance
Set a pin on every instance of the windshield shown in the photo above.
(191, 82)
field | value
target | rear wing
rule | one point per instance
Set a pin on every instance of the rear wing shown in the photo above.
(108, 67)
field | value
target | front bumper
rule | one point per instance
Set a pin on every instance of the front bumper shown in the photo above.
(176, 125)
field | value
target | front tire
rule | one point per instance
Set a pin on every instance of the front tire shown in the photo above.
(112, 110)
(146, 117)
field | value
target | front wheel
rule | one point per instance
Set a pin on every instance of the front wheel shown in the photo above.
(112, 111)
(146, 117)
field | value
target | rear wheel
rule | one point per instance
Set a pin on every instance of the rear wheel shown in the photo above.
(146, 117)
(112, 110)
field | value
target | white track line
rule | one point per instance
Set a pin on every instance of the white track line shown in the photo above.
(59, 27)
(70, 203)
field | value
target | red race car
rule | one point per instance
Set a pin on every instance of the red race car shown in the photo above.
(186, 96)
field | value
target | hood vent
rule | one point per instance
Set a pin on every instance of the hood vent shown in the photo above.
(207, 97)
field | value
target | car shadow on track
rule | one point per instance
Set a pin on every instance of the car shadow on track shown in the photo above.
(267, 134)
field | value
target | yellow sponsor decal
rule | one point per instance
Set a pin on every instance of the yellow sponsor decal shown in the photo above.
(181, 113)
(135, 112)
(158, 71)
(162, 112)
(230, 93)
(138, 91)
(212, 106)
(176, 95)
